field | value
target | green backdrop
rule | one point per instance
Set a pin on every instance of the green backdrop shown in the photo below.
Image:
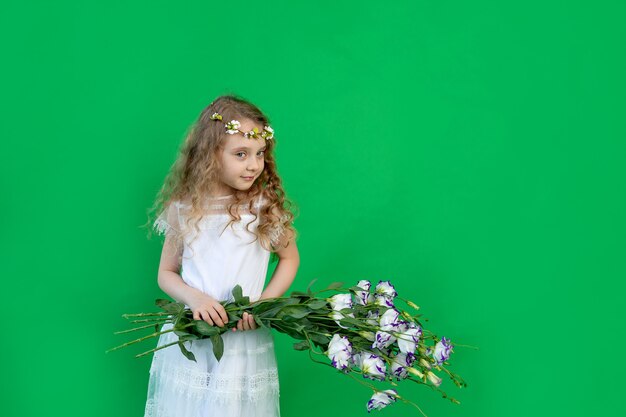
(473, 153)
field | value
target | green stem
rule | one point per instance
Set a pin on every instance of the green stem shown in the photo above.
(154, 350)
(140, 339)
(455, 377)
(469, 346)
(136, 328)
(154, 320)
(146, 314)
(412, 403)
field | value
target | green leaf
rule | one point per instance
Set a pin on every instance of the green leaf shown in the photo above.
(270, 309)
(162, 301)
(300, 294)
(349, 320)
(296, 312)
(308, 289)
(174, 308)
(285, 327)
(204, 328)
(316, 304)
(320, 339)
(237, 293)
(218, 346)
(189, 355)
(334, 285)
(259, 321)
(304, 345)
(181, 323)
(233, 317)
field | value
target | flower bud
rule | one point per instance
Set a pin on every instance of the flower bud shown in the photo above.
(367, 335)
(415, 372)
(424, 363)
(412, 305)
(434, 378)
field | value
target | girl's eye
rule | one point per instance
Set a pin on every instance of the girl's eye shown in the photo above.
(243, 153)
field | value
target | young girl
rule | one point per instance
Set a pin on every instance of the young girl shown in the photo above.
(222, 212)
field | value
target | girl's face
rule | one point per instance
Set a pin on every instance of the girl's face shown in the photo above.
(242, 159)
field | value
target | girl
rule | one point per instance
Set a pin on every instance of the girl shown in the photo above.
(222, 212)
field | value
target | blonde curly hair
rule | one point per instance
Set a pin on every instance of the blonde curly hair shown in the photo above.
(195, 173)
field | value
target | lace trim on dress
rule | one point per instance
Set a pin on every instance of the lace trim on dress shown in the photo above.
(163, 227)
(218, 388)
(170, 222)
(256, 351)
(277, 232)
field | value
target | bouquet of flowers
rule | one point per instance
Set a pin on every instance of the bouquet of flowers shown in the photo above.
(360, 331)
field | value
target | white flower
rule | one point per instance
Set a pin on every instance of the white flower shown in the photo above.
(372, 318)
(383, 301)
(270, 132)
(337, 316)
(340, 301)
(386, 351)
(389, 320)
(373, 367)
(381, 399)
(385, 288)
(365, 284)
(407, 341)
(383, 340)
(364, 297)
(442, 351)
(399, 365)
(232, 127)
(251, 134)
(339, 351)
(403, 325)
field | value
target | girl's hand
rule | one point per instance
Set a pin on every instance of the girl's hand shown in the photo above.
(207, 308)
(246, 323)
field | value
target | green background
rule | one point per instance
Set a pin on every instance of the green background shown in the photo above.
(473, 153)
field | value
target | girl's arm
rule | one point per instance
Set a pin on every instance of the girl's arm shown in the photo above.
(285, 272)
(203, 306)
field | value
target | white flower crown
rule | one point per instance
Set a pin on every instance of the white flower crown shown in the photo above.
(232, 127)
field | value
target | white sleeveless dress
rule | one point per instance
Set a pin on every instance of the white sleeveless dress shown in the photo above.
(245, 380)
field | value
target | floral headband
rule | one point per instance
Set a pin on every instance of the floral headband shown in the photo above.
(232, 127)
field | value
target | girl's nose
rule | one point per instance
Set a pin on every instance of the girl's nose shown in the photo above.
(254, 165)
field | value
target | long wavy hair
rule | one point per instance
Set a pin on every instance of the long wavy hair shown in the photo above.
(195, 175)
